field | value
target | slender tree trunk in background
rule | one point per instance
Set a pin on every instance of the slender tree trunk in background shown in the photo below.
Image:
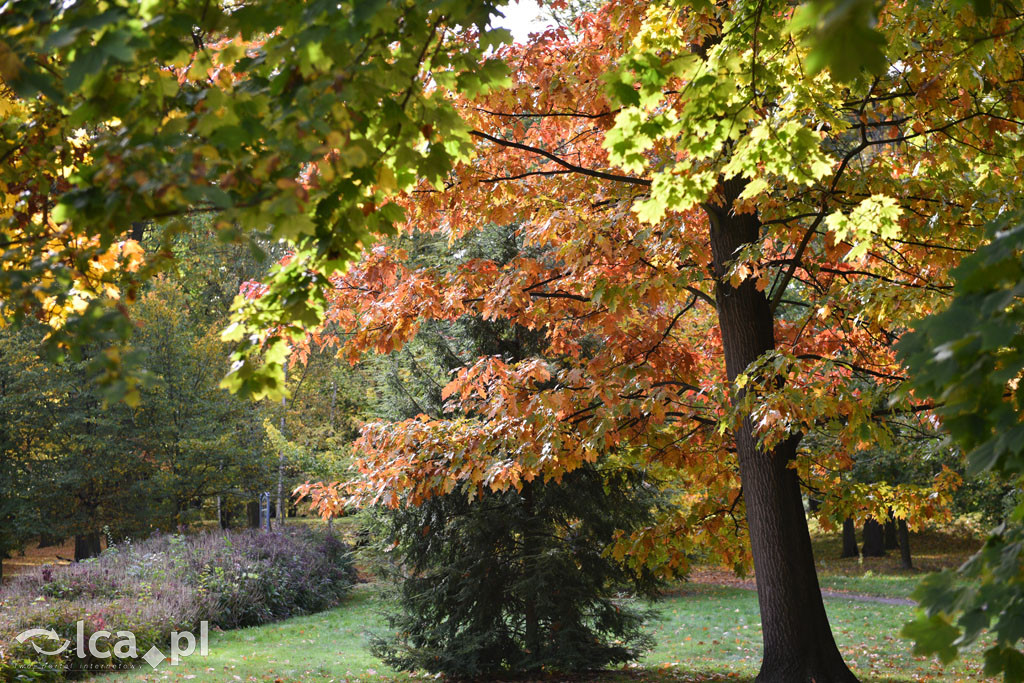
(530, 600)
(279, 509)
(798, 642)
(252, 513)
(905, 560)
(891, 542)
(225, 513)
(47, 540)
(334, 398)
(874, 543)
(849, 539)
(138, 231)
(280, 461)
(87, 545)
(179, 507)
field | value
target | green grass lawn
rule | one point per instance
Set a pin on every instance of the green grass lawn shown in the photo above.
(706, 633)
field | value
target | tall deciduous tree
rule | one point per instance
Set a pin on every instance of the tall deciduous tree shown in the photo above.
(200, 441)
(121, 114)
(26, 425)
(743, 240)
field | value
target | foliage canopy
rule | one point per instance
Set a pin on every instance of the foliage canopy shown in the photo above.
(730, 213)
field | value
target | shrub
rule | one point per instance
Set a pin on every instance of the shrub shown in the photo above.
(168, 583)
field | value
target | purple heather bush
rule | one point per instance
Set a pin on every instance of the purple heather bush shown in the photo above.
(168, 583)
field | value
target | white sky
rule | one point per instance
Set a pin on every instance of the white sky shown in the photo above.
(522, 18)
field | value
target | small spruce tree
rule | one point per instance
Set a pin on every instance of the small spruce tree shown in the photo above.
(502, 582)
(517, 581)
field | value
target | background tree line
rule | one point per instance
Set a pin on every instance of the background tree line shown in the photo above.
(78, 465)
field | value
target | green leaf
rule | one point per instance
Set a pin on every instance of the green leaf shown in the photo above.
(932, 635)
(293, 225)
(842, 37)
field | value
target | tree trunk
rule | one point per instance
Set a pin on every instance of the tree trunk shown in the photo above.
(530, 618)
(905, 560)
(138, 231)
(849, 539)
(532, 625)
(874, 543)
(48, 540)
(252, 512)
(87, 545)
(281, 460)
(226, 515)
(798, 642)
(179, 506)
(891, 542)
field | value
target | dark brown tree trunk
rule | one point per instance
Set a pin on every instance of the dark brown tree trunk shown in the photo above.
(532, 626)
(225, 515)
(252, 512)
(905, 560)
(798, 643)
(849, 539)
(138, 231)
(874, 543)
(47, 540)
(87, 545)
(891, 542)
(530, 617)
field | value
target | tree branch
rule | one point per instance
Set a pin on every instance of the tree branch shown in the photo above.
(562, 162)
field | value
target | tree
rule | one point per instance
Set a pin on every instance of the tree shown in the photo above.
(25, 424)
(122, 115)
(903, 543)
(200, 441)
(496, 581)
(874, 542)
(969, 358)
(849, 539)
(914, 478)
(720, 205)
(73, 470)
(795, 206)
(517, 581)
(76, 467)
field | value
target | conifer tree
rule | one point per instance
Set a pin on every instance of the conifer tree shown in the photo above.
(509, 580)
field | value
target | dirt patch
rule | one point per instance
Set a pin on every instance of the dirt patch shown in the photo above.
(34, 557)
